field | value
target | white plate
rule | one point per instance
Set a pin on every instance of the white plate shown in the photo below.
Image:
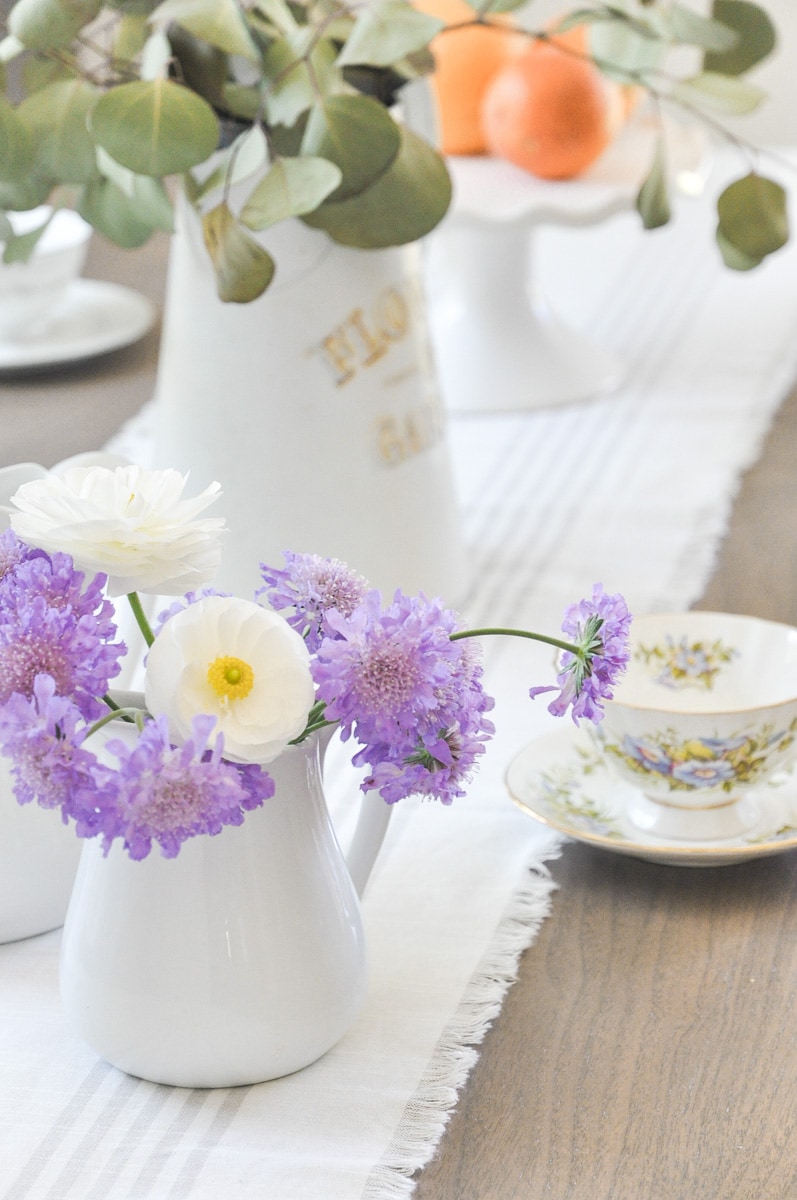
(93, 318)
(561, 780)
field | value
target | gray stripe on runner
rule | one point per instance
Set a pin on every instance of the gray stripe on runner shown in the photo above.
(169, 1144)
(64, 1123)
(132, 1140)
(69, 1174)
(227, 1113)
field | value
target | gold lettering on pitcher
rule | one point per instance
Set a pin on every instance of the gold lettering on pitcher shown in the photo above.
(362, 339)
(402, 437)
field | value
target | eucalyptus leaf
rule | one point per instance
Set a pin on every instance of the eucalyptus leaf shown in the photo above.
(278, 12)
(152, 203)
(244, 158)
(724, 94)
(155, 127)
(241, 101)
(358, 135)
(753, 216)
(58, 116)
(22, 194)
(220, 23)
(50, 24)
(498, 6)
(39, 72)
(653, 201)
(203, 67)
(293, 87)
(385, 32)
(290, 188)
(16, 141)
(691, 28)
(243, 268)
(287, 142)
(580, 16)
(148, 194)
(114, 214)
(20, 246)
(625, 50)
(130, 36)
(757, 37)
(404, 204)
(733, 258)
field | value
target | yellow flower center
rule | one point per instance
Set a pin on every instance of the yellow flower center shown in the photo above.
(231, 677)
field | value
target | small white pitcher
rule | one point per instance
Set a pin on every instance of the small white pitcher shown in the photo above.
(38, 859)
(242, 959)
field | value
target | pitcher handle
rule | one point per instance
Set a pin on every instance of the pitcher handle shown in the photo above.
(369, 833)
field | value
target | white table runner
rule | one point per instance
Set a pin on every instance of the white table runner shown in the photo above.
(634, 490)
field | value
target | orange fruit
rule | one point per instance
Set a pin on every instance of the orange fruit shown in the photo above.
(465, 62)
(551, 111)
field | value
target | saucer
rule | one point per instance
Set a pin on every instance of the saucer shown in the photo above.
(93, 318)
(561, 780)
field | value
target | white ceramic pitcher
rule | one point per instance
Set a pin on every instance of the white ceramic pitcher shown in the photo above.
(242, 959)
(38, 859)
(316, 407)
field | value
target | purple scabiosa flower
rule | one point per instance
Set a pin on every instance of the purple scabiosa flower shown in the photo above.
(599, 628)
(312, 586)
(53, 622)
(184, 602)
(379, 671)
(13, 552)
(167, 794)
(36, 639)
(409, 695)
(42, 737)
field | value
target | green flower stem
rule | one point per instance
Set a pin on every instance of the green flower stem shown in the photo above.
(311, 727)
(521, 633)
(141, 620)
(118, 714)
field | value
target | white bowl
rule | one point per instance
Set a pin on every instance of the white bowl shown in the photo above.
(706, 713)
(29, 290)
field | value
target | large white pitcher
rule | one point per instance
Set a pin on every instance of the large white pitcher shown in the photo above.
(242, 959)
(317, 409)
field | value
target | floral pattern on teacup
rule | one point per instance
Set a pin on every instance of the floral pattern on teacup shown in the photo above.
(698, 763)
(684, 664)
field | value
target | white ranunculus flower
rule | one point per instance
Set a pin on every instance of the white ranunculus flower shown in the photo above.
(131, 523)
(238, 662)
(12, 478)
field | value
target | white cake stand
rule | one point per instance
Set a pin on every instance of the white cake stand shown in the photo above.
(498, 345)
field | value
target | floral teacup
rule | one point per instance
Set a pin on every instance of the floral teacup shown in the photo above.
(705, 715)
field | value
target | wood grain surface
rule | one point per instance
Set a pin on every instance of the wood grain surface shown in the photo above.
(648, 1050)
(49, 415)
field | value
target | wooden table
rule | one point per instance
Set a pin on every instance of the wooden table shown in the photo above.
(50, 415)
(647, 1051)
